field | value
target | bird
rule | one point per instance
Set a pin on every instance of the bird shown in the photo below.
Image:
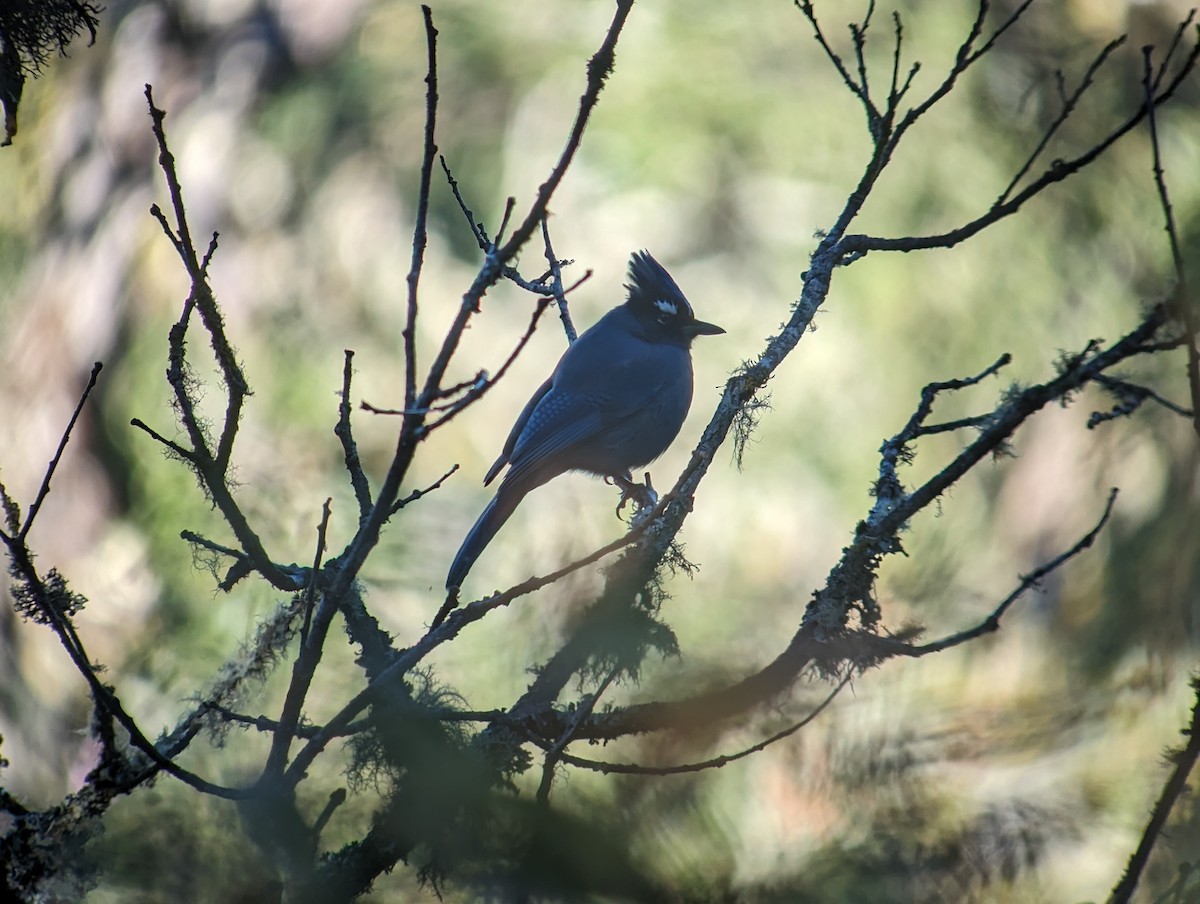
(615, 402)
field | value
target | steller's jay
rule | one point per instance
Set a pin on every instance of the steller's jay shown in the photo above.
(615, 401)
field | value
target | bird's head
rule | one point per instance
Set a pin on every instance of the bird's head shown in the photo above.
(660, 306)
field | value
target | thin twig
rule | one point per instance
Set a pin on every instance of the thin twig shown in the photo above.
(536, 286)
(477, 229)
(916, 424)
(449, 392)
(336, 799)
(1176, 785)
(210, 545)
(896, 450)
(480, 387)
(1130, 397)
(858, 35)
(1058, 171)
(420, 230)
(958, 424)
(315, 574)
(510, 204)
(1068, 105)
(715, 762)
(182, 236)
(211, 467)
(858, 90)
(266, 725)
(1182, 301)
(1028, 582)
(105, 699)
(556, 283)
(1176, 42)
(472, 389)
(308, 657)
(417, 494)
(208, 255)
(62, 445)
(174, 447)
(345, 434)
(236, 386)
(598, 69)
(555, 751)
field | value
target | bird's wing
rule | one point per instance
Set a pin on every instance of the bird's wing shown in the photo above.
(515, 433)
(560, 420)
(564, 421)
(593, 396)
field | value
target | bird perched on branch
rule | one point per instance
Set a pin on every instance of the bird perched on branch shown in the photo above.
(615, 401)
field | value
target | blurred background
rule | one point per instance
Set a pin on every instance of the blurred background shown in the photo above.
(1018, 768)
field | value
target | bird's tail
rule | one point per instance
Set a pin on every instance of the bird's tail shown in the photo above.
(503, 504)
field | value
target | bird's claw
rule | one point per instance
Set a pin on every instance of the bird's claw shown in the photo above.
(643, 495)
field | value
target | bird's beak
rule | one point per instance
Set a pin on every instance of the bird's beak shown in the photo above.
(700, 328)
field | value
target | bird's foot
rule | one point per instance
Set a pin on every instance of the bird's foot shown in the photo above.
(643, 496)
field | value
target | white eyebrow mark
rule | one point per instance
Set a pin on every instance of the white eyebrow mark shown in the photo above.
(667, 307)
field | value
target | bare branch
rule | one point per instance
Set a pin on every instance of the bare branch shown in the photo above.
(175, 449)
(1028, 582)
(858, 34)
(479, 387)
(858, 89)
(62, 445)
(1176, 43)
(1068, 107)
(420, 231)
(210, 545)
(477, 229)
(1182, 301)
(1176, 785)
(1058, 171)
(1129, 398)
(598, 69)
(896, 450)
(210, 467)
(308, 657)
(556, 284)
(266, 725)
(968, 54)
(344, 432)
(105, 700)
(201, 295)
(715, 762)
(554, 751)
(314, 575)
(537, 286)
(417, 494)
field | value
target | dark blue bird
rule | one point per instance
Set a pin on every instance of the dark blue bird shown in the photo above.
(615, 401)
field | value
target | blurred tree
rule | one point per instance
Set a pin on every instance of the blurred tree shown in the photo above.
(1014, 768)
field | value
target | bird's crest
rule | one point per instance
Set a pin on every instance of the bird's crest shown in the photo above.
(652, 289)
